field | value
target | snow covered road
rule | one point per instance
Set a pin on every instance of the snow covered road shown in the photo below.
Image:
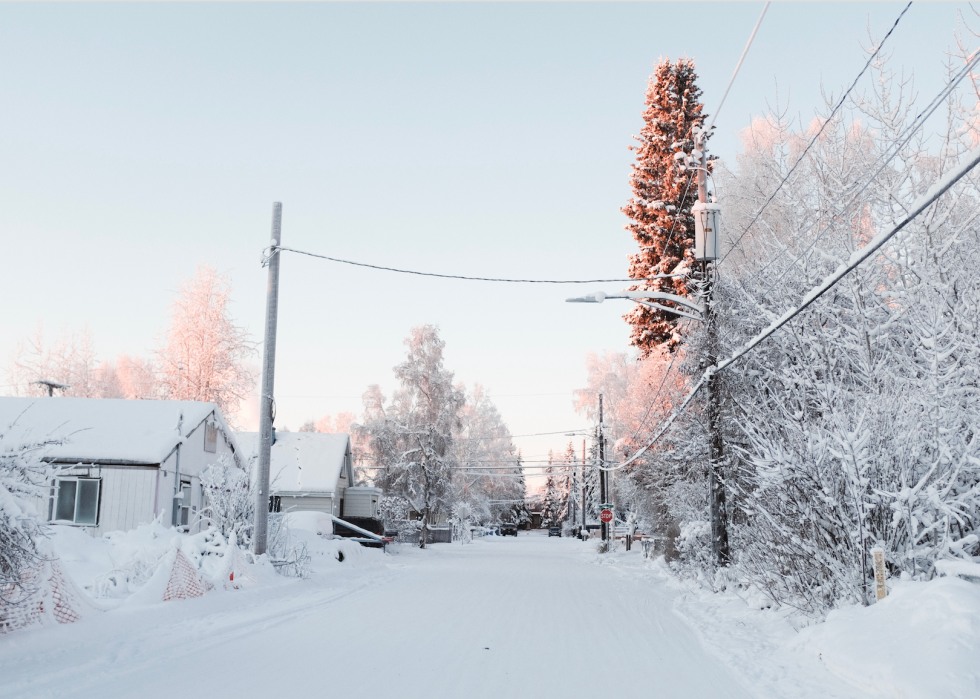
(502, 617)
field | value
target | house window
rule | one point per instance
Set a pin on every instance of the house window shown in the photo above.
(210, 437)
(78, 500)
(182, 505)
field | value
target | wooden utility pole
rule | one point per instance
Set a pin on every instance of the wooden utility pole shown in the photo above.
(266, 403)
(602, 472)
(716, 495)
(585, 520)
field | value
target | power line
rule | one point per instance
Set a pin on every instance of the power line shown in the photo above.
(711, 124)
(902, 141)
(939, 188)
(278, 248)
(817, 135)
(745, 51)
(515, 436)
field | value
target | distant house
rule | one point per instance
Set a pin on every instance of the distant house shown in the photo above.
(537, 517)
(125, 461)
(308, 472)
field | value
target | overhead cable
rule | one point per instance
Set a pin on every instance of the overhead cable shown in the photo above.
(714, 116)
(857, 257)
(277, 248)
(817, 135)
(889, 155)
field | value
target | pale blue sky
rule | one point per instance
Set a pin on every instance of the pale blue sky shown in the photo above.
(137, 141)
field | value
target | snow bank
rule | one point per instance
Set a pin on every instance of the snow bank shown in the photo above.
(922, 641)
(116, 564)
(135, 565)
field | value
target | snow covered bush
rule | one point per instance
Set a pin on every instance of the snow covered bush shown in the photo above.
(229, 501)
(461, 521)
(288, 557)
(25, 480)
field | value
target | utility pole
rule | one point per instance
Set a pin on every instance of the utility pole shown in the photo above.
(585, 520)
(716, 495)
(602, 472)
(266, 402)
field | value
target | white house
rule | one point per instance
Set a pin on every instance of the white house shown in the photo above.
(125, 461)
(308, 472)
(312, 472)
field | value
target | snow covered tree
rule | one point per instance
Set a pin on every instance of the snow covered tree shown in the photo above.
(853, 427)
(69, 360)
(664, 190)
(204, 355)
(557, 488)
(412, 437)
(137, 378)
(493, 485)
(335, 424)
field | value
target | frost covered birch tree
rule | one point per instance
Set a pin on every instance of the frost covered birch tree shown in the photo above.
(69, 359)
(203, 355)
(489, 479)
(412, 437)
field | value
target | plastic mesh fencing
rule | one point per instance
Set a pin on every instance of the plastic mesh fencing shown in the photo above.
(238, 569)
(49, 595)
(184, 580)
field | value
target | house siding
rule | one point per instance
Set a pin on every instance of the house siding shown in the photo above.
(289, 503)
(127, 498)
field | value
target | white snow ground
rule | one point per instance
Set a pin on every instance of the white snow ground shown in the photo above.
(497, 618)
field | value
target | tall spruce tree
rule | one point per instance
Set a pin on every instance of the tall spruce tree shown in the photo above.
(664, 190)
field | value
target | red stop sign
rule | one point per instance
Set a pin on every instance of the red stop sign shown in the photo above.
(606, 516)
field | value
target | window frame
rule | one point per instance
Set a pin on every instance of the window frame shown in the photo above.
(75, 480)
(211, 437)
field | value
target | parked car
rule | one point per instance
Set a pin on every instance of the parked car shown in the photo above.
(508, 529)
(554, 531)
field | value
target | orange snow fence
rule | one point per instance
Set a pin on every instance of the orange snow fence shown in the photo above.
(53, 596)
(237, 569)
(184, 580)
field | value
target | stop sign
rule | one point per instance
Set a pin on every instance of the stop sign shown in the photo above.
(606, 516)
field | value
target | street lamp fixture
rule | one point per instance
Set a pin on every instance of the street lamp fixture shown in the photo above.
(644, 299)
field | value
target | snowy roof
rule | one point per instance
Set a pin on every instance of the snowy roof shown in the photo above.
(302, 462)
(107, 430)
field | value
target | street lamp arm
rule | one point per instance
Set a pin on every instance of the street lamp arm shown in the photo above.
(640, 297)
(661, 296)
(651, 304)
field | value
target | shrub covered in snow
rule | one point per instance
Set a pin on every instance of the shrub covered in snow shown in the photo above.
(24, 480)
(229, 500)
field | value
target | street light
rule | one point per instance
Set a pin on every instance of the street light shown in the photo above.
(643, 298)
